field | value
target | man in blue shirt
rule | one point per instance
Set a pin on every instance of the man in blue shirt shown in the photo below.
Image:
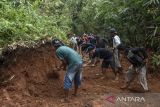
(73, 61)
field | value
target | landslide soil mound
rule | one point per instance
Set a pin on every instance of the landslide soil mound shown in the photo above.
(29, 74)
(27, 80)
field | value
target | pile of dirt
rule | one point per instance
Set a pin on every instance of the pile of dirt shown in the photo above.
(28, 79)
(29, 72)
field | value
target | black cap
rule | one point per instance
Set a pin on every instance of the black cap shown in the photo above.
(57, 43)
(90, 48)
(113, 30)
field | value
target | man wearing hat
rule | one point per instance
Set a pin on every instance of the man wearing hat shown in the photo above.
(116, 43)
(72, 59)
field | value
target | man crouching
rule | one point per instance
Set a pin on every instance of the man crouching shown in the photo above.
(73, 61)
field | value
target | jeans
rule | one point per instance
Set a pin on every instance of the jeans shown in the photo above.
(74, 73)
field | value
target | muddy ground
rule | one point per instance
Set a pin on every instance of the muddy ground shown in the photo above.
(29, 83)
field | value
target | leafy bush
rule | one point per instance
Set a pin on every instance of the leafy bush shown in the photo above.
(156, 62)
(32, 20)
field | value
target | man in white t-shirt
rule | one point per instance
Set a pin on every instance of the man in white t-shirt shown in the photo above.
(73, 41)
(116, 42)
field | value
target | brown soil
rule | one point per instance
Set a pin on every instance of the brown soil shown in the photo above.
(34, 84)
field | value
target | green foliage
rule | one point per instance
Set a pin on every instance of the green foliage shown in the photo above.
(156, 62)
(32, 20)
(137, 21)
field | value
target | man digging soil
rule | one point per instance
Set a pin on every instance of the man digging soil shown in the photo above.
(138, 58)
(73, 61)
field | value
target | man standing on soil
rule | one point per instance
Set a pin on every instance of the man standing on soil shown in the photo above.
(73, 41)
(73, 61)
(116, 43)
(138, 58)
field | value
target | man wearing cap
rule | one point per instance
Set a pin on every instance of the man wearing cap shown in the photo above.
(84, 48)
(72, 59)
(116, 43)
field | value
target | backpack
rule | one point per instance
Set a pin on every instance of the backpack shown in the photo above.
(135, 59)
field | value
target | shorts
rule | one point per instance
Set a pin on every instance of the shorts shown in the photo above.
(73, 73)
(107, 62)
